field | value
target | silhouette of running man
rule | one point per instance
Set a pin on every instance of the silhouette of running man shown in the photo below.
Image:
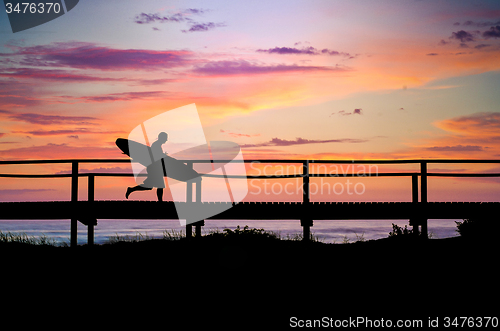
(155, 170)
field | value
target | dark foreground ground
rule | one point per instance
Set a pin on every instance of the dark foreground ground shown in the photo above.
(236, 283)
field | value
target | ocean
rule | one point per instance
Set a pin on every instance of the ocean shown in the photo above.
(326, 231)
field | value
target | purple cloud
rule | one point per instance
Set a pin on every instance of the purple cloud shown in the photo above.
(181, 16)
(482, 46)
(144, 18)
(493, 32)
(196, 11)
(91, 56)
(357, 111)
(479, 24)
(304, 50)
(290, 50)
(456, 148)
(462, 35)
(195, 27)
(242, 67)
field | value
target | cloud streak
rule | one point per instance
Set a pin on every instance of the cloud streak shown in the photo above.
(182, 16)
(243, 67)
(277, 142)
(478, 24)
(474, 133)
(54, 75)
(197, 27)
(92, 56)
(22, 191)
(238, 135)
(124, 96)
(59, 151)
(70, 133)
(357, 111)
(144, 18)
(463, 36)
(456, 148)
(41, 119)
(480, 124)
(493, 32)
(177, 17)
(303, 51)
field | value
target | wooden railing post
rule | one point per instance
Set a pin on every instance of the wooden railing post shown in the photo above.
(90, 225)
(74, 199)
(200, 223)
(414, 199)
(189, 199)
(305, 221)
(423, 194)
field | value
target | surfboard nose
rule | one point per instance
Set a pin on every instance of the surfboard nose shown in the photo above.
(122, 144)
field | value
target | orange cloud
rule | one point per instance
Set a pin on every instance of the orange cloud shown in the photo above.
(471, 136)
(478, 125)
(59, 151)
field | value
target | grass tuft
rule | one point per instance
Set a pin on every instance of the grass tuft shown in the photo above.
(23, 238)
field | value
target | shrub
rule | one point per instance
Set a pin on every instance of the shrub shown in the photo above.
(478, 227)
(399, 232)
(247, 232)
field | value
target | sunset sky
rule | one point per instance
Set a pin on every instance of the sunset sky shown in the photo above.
(332, 79)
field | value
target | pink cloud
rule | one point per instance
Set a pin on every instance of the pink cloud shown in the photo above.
(54, 75)
(91, 56)
(51, 119)
(70, 132)
(16, 94)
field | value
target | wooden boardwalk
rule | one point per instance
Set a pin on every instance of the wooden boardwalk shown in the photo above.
(417, 211)
(117, 209)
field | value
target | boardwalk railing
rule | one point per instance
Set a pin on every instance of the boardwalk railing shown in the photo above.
(417, 211)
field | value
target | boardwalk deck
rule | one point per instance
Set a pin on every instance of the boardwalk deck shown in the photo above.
(83, 210)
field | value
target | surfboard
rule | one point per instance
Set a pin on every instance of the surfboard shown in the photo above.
(142, 154)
